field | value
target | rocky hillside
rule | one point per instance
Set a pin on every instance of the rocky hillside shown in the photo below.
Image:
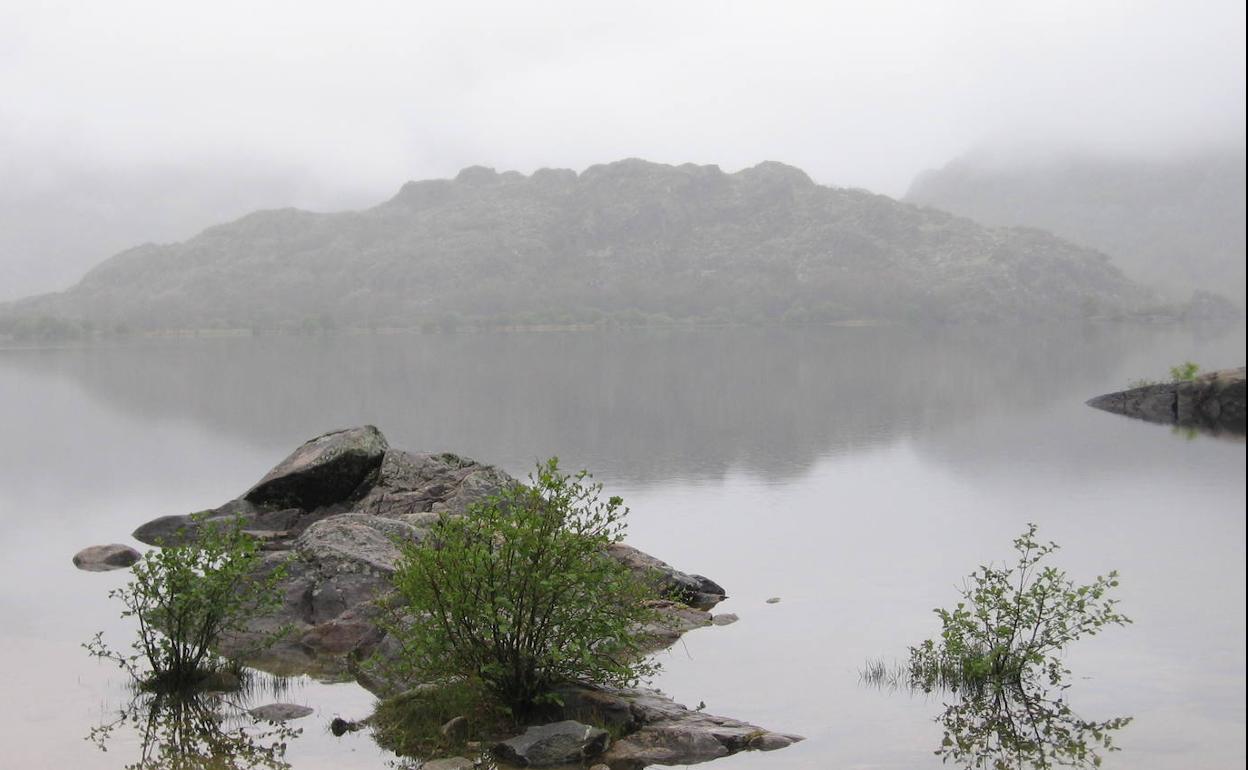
(627, 242)
(1177, 225)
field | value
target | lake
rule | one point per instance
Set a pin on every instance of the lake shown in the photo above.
(858, 474)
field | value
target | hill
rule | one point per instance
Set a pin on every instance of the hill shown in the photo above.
(629, 242)
(1177, 224)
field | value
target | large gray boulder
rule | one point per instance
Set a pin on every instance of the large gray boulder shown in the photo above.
(322, 471)
(558, 743)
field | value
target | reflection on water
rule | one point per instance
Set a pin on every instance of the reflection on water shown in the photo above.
(850, 471)
(201, 731)
(653, 404)
(1011, 727)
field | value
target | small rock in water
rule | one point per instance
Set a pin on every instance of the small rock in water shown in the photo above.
(774, 600)
(280, 712)
(339, 726)
(724, 619)
(101, 558)
(450, 763)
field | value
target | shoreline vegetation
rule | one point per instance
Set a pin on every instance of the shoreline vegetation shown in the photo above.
(57, 332)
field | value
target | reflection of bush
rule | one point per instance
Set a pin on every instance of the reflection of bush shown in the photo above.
(206, 731)
(1012, 727)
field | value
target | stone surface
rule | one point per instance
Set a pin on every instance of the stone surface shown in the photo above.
(660, 731)
(280, 712)
(724, 619)
(354, 543)
(449, 763)
(322, 471)
(694, 590)
(1214, 401)
(553, 744)
(102, 558)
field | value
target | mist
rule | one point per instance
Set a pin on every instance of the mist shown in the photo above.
(134, 121)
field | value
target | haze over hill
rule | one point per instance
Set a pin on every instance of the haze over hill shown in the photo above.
(1176, 224)
(631, 240)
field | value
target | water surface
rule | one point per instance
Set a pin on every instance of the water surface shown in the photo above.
(857, 474)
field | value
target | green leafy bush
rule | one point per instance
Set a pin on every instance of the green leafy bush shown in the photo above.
(1184, 372)
(184, 597)
(1014, 622)
(519, 595)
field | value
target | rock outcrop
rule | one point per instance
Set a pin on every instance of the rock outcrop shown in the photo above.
(657, 730)
(331, 513)
(1212, 401)
(331, 516)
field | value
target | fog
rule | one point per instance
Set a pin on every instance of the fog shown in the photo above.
(134, 121)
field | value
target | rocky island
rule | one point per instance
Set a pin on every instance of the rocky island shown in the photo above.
(333, 512)
(1213, 401)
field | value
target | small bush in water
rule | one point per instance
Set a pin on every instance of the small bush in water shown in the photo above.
(184, 597)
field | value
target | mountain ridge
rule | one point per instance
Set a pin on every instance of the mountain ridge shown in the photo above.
(1176, 224)
(630, 241)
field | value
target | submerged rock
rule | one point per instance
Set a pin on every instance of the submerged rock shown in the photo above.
(280, 712)
(102, 558)
(1214, 401)
(449, 763)
(557, 743)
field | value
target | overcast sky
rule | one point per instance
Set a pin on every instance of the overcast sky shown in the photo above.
(177, 115)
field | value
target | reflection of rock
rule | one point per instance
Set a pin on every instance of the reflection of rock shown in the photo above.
(1213, 401)
(279, 712)
(353, 498)
(101, 558)
(658, 730)
(553, 744)
(449, 763)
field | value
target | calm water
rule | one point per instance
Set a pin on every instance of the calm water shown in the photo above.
(858, 474)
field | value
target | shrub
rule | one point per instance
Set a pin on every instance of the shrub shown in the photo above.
(519, 595)
(1184, 372)
(184, 597)
(1014, 622)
